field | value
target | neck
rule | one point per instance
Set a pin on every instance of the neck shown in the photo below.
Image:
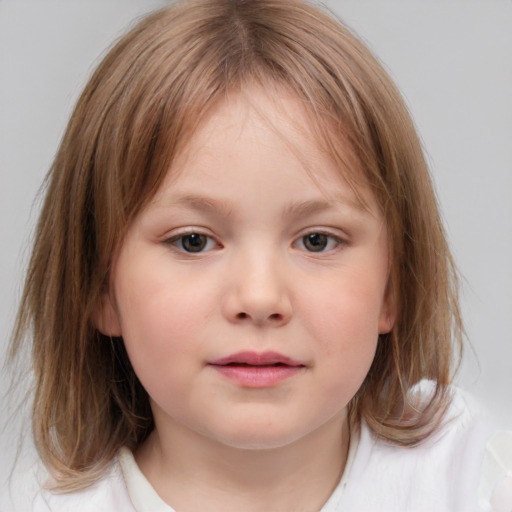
(191, 472)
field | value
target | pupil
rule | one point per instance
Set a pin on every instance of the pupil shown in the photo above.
(315, 242)
(194, 242)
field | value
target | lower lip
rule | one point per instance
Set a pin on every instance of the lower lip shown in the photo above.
(257, 376)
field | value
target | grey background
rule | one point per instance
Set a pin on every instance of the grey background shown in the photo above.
(452, 60)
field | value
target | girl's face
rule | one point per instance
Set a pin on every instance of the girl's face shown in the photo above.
(250, 296)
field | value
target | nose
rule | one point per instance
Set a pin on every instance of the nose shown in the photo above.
(258, 292)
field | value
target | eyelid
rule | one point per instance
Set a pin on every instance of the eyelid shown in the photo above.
(339, 238)
(178, 235)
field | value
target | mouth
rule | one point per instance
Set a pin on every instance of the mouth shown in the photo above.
(256, 359)
(257, 369)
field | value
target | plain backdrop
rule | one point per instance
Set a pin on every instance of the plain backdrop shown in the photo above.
(452, 60)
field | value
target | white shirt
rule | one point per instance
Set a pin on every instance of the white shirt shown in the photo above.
(464, 467)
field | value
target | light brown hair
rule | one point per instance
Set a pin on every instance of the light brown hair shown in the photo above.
(141, 104)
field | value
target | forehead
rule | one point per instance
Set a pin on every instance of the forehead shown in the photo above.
(275, 131)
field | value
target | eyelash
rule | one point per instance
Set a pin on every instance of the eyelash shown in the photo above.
(203, 242)
(180, 239)
(316, 236)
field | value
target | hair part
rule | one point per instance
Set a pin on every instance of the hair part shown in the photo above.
(137, 112)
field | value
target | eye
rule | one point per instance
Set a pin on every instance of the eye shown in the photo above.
(318, 242)
(192, 242)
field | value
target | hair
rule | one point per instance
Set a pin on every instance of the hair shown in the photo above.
(140, 106)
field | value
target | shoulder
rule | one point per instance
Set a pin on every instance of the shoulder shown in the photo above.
(496, 483)
(450, 471)
(108, 494)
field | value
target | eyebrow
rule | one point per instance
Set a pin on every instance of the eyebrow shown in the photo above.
(211, 206)
(306, 208)
(201, 203)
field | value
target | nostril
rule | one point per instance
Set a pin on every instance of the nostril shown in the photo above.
(275, 317)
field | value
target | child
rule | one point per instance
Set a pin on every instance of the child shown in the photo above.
(240, 295)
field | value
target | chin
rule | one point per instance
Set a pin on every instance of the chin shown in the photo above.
(259, 437)
(258, 443)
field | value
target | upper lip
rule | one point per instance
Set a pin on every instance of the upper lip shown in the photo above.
(256, 359)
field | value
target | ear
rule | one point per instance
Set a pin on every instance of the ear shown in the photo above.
(388, 311)
(106, 317)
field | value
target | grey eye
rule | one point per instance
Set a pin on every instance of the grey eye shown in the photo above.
(315, 242)
(194, 242)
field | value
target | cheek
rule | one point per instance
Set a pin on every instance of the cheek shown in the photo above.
(344, 330)
(153, 294)
(161, 340)
(344, 321)
(162, 319)
(349, 308)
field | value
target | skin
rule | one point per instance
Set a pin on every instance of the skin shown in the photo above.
(244, 183)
